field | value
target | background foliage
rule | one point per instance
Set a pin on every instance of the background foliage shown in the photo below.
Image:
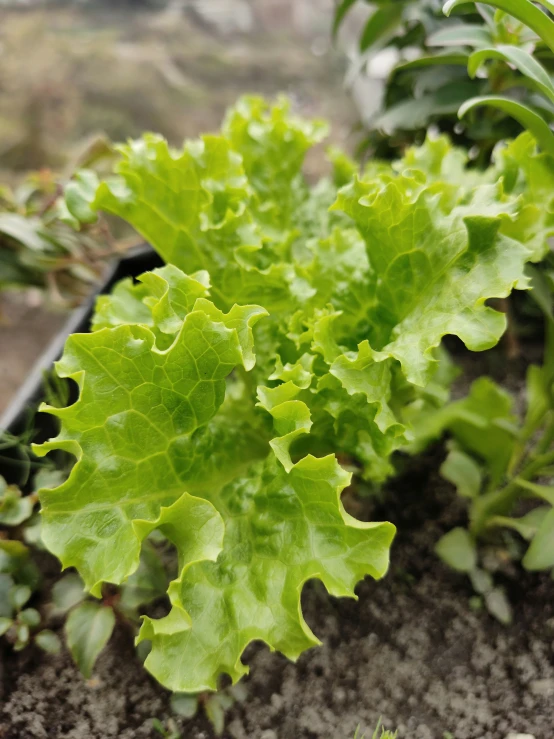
(442, 62)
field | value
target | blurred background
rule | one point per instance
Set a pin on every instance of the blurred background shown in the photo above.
(76, 75)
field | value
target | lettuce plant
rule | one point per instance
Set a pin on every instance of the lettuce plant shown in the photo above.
(290, 324)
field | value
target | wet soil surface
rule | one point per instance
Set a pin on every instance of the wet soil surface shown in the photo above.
(410, 650)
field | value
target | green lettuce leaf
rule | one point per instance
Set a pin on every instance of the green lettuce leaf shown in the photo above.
(138, 430)
(483, 423)
(281, 530)
(530, 175)
(437, 266)
(524, 171)
(160, 300)
(272, 143)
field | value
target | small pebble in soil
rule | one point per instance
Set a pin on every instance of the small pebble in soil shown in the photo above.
(542, 687)
(277, 701)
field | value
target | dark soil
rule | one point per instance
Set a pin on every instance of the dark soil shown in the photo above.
(410, 650)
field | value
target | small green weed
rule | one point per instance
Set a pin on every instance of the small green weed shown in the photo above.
(385, 733)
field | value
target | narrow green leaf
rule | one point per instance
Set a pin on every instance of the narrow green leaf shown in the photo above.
(527, 117)
(12, 272)
(459, 59)
(6, 584)
(14, 508)
(25, 229)
(30, 616)
(88, 630)
(5, 624)
(216, 715)
(184, 704)
(519, 58)
(526, 526)
(539, 397)
(19, 595)
(383, 21)
(541, 292)
(414, 113)
(548, 4)
(457, 549)
(464, 34)
(79, 194)
(498, 606)
(462, 471)
(340, 13)
(524, 10)
(544, 492)
(540, 555)
(487, 14)
(481, 580)
(22, 634)
(159, 727)
(48, 641)
(68, 592)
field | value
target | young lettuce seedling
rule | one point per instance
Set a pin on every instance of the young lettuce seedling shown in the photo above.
(19, 577)
(501, 464)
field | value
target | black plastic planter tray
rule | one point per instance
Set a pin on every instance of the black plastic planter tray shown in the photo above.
(22, 409)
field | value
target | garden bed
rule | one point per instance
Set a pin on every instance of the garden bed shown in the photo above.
(410, 650)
